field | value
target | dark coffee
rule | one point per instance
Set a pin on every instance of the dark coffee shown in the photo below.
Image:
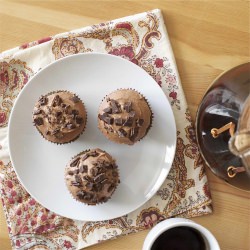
(179, 238)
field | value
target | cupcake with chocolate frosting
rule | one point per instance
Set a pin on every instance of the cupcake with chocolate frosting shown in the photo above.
(92, 176)
(124, 116)
(60, 117)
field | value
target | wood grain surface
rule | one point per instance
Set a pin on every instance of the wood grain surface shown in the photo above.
(207, 37)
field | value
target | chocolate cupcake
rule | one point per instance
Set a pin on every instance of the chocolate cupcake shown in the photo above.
(60, 117)
(92, 176)
(124, 116)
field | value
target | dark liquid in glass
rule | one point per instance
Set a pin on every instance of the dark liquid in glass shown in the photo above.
(179, 238)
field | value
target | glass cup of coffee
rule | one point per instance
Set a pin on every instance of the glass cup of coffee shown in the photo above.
(180, 234)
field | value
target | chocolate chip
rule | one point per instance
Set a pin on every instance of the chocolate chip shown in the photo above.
(118, 121)
(78, 178)
(121, 132)
(43, 100)
(37, 111)
(139, 122)
(115, 107)
(56, 101)
(38, 121)
(111, 188)
(47, 132)
(79, 119)
(133, 133)
(99, 177)
(108, 110)
(63, 105)
(127, 106)
(71, 126)
(128, 122)
(75, 99)
(83, 169)
(70, 172)
(75, 162)
(76, 184)
(132, 114)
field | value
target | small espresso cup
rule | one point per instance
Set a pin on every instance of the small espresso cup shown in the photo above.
(209, 240)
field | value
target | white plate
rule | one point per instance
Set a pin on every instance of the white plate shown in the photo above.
(40, 164)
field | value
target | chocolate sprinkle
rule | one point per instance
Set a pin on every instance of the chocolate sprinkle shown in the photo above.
(89, 185)
(79, 119)
(56, 101)
(58, 113)
(132, 114)
(75, 99)
(93, 154)
(108, 110)
(121, 132)
(43, 100)
(75, 112)
(81, 194)
(70, 172)
(118, 121)
(128, 122)
(115, 107)
(99, 178)
(127, 106)
(71, 126)
(133, 133)
(75, 162)
(78, 178)
(106, 118)
(38, 121)
(83, 169)
(76, 184)
(87, 178)
(37, 111)
(94, 171)
(139, 122)
(111, 188)
(55, 131)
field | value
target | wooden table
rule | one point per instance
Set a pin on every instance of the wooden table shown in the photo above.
(208, 37)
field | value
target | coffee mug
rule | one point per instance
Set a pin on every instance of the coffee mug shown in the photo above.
(209, 241)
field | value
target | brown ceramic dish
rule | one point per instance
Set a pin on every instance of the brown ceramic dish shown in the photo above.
(223, 108)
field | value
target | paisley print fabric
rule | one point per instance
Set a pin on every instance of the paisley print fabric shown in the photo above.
(143, 40)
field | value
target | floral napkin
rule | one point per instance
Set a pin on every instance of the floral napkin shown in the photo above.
(143, 40)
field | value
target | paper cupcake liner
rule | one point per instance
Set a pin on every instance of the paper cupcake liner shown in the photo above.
(86, 119)
(151, 117)
(85, 203)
